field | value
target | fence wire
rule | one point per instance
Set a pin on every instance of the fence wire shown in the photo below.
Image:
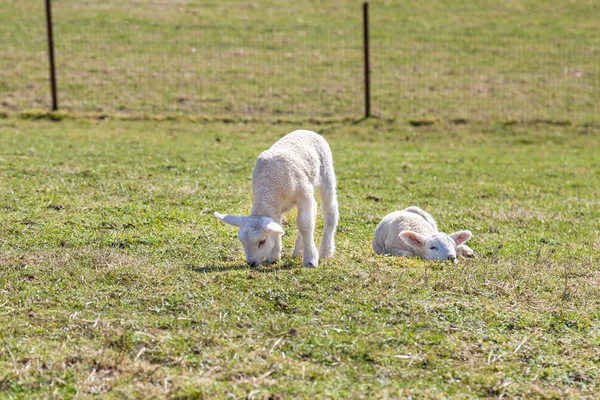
(486, 77)
(262, 60)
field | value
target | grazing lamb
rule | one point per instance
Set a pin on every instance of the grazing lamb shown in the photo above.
(413, 232)
(285, 176)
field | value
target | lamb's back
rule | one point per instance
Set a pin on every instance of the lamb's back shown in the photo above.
(388, 230)
(293, 160)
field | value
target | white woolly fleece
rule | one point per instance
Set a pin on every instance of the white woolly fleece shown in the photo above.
(414, 232)
(284, 176)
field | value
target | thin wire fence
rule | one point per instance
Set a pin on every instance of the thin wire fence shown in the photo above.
(23, 66)
(202, 72)
(265, 61)
(486, 77)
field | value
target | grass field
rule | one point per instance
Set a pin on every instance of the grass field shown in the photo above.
(117, 281)
(481, 60)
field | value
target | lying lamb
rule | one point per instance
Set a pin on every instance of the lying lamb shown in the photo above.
(413, 232)
(285, 176)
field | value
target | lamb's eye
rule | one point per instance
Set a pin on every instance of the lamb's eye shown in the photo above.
(433, 248)
(262, 242)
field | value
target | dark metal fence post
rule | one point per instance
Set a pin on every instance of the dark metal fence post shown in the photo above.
(367, 61)
(51, 55)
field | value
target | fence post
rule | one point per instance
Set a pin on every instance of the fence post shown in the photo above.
(51, 55)
(366, 59)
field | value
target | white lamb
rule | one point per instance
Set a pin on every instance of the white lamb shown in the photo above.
(285, 176)
(413, 232)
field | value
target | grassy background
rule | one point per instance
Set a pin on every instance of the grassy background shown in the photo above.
(116, 280)
(476, 60)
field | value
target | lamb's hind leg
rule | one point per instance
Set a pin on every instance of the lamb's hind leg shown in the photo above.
(329, 206)
(306, 229)
(399, 252)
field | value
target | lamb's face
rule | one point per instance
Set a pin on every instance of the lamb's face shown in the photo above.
(257, 239)
(439, 247)
(260, 236)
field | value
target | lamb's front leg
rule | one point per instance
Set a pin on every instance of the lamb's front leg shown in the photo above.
(306, 229)
(464, 251)
(275, 254)
(299, 246)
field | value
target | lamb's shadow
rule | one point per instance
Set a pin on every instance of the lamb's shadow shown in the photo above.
(279, 266)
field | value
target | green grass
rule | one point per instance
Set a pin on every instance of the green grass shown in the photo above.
(478, 60)
(117, 281)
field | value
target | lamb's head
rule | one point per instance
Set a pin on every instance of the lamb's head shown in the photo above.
(259, 236)
(438, 246)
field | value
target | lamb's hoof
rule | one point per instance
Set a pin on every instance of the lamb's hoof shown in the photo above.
(464, 251)
(310, 265)
(467, 253)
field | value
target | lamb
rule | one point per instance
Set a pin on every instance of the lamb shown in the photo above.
(286, 175)
(413, 232)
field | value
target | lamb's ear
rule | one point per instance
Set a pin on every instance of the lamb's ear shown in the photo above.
(235, 220)
(460, 237)
(413, 239)
(274, 227)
